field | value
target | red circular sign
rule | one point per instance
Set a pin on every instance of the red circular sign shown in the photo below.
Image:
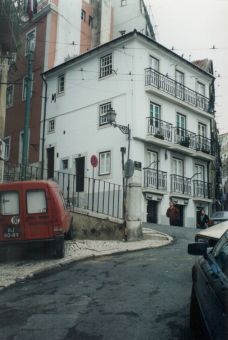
(94, 161)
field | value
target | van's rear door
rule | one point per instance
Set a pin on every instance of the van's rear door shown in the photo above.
(38, 215)
(11, 224)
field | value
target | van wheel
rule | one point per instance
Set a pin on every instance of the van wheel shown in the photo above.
(60, 249)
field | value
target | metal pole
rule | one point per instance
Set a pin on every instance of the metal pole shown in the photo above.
(27, 114)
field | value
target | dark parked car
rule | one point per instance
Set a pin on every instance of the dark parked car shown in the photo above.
(209, 298)
(219, 216)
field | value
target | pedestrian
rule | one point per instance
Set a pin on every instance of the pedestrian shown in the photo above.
(173, 214)
(203, 219)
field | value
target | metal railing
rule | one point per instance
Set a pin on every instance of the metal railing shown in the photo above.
(203, 144)
(180, 184)
(202, 189)
(178, 90)
(159, 128)
(92, 194)
(155, 179)
(184, 137)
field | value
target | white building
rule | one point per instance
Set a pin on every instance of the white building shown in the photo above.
(167, 102)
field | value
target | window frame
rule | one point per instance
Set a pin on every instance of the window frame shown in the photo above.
(7, 154)
(27, 41)
(107, 171)
(62, 162)
(123, 3)
(101, 114)
(49, 124)
(61, 76)
(9, 104)
(106, 69)
(83, 15)
(39, 212)
(18, 196)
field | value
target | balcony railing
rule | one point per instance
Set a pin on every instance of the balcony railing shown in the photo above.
(201, 189)
(203, 144)
(180, 184)
(184, 137)
(178, 90)
(155, 179)
(159, 128)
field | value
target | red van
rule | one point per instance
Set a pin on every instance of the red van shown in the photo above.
(34, 212)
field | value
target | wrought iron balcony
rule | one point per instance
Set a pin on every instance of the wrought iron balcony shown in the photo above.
(203, 144)
(201, 189)
(155, 179)
(180, 184)
(184, 137)
(178, 90)
(159, 128)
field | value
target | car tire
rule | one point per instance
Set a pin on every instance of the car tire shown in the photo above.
(195, 317)
(60, 249)
(70, 233)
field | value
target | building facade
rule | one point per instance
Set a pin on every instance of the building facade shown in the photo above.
(167, 103)
(223, 141)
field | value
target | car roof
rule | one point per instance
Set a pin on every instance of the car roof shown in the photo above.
(214, 232)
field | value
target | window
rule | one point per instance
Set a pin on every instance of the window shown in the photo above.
(155, 115)
(90, 21)
(154, 63)
(152, 159)
(202, 130)
(178, 167)
(201, 88)
(105, 163)
(51, 126)
(9, 96)
(30, 43)
(24, 89)
(36, 202)
(123, 3)
(103, 109)
(65, 164)
(7, 141)
(106, 65)
(9, 203)
(83, 15)
(199, 173)
(201, 100)
(61, 83)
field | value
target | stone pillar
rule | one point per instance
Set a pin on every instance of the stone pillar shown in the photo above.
(134, 206)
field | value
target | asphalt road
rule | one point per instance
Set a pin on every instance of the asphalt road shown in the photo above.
(137, 296)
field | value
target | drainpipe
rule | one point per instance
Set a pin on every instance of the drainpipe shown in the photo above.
(44, 126)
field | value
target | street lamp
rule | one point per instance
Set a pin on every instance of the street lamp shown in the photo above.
(125, 129)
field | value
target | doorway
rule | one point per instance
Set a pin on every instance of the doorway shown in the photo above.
(80, 173)
(50, 162)
(152, 208)
(180, 220)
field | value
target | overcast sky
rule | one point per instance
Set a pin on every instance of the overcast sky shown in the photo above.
(193, 27)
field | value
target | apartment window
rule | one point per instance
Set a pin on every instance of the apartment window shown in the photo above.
(155, 114)
(51, 126)
(83, 15)
(152, 159)
(7, 141)
(123, 3)
(199, 173)
(65, 164)
(24, 89)
(201, 88)
(181, 125)
(178, 167)
(202, 130)
(9, 96)
(179, 84)
(106, 65)
(30, 42)
(154, 63)
(61, 83)
(90, 21)
(105, 163)
(103, 109)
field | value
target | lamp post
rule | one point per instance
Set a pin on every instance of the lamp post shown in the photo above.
(125, 129)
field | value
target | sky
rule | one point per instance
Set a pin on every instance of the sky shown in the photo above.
(193, 28)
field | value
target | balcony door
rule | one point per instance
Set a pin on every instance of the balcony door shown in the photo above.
(181, 127)
(199, 185)
(178, 167)
(155, 117)
(179, 84)
(152, 159)
(154, 65)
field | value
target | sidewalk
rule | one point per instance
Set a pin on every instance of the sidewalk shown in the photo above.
(17, 271)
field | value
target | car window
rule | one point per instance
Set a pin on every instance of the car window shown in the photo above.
(221, 253)
(36, 202)
(9, 203)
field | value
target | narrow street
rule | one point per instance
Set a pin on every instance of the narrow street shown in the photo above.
(141, 295)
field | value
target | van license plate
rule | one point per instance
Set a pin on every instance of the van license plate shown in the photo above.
(11, 232)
